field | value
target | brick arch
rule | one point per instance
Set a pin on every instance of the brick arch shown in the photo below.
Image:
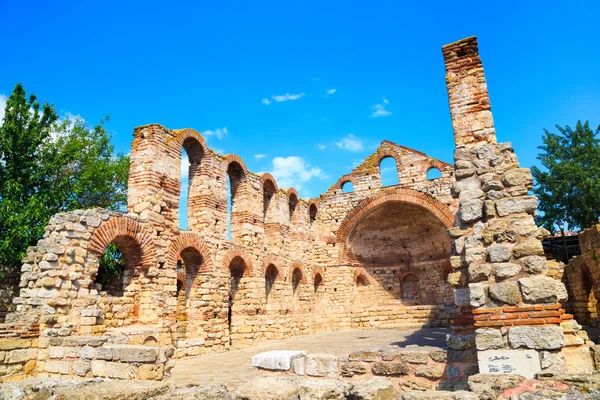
(358, 272)
(346, 178)
(385, 153)
(274, 260)
(264, 177)
(237, 251)
(182, 134)
(393, 194)
(298, 265)
(231, 158)
(291, 191)
(186, 240)
(317, 271)
(123, 226)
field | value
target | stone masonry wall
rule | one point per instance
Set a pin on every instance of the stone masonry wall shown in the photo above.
(506, 298)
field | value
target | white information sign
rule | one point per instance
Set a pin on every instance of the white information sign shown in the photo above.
(521, 362)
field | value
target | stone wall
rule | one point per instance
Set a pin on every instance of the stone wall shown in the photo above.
(408, 368)
(583, 275)
(462, 248)
(9, 289)
(506, 297)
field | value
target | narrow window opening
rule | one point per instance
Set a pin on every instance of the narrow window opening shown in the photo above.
(388, 171)
(434, 173)
(347, 187)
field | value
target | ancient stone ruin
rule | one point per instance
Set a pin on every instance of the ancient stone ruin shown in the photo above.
(460, 250)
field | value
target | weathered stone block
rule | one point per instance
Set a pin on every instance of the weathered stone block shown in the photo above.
(389, 369)
(120, 370)
(542, 289)
(149, 372)
(457, 341)
(81, 368)
(363, 355)
(376, 388)
(137, 354)
(505, 292)
(414, 357)
(353, 368)
(506, 270)
(514, 205)
(321, 365)
(536, 337)
(99, 368)
(430, 371)
(276, 360)
(488, 338)
(478, 273)
(528, 248)
(517, 177)
(471, 210)
(499, 253)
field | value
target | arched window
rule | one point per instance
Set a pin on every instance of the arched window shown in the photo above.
(236, 177)
(410, 290)
(388, 171)
(237, 267)
(271, 275)
(361, 281)
(312, 213)
(347, 187)
(433, 173)
(318, 282)
(296, 279)
(292, 203)
(268, 192)
(191, 159)
(117, 265)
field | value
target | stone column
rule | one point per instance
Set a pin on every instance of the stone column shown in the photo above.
(506, 299)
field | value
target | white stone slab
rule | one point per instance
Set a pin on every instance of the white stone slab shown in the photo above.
(278, 360)
(521, 362)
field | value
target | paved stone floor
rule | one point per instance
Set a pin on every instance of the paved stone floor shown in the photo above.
(234, 367)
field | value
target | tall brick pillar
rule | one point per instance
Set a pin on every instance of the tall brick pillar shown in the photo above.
(506, 299)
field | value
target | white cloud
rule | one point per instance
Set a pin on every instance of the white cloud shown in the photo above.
(380, 110)
(3, 99)
(218, 133)
(350, 143)
(314, 79)
(329, 92)
(293, 171)
(266, 101)
(259, 156)
(185, 167)
(320, 146)
(287, 96)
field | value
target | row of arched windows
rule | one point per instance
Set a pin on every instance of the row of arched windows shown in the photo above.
(388, 172)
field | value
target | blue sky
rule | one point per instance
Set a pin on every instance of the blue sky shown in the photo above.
(338, 77)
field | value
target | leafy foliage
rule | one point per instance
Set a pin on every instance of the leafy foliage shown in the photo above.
(111, 265)
(569, 188)
(49, 166)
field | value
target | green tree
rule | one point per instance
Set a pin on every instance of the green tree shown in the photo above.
(569, 187)
(49, 166)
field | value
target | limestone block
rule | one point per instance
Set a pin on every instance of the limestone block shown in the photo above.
(81, 368)
(353, 368)
(137, 353)
(478, 273)
(117, 370)
(87, 353)
(376, 388)
(514, 205)
(471, 194)
(536, 337)
(579, 360)
(474, 255)
(488, 338)
(389, 369)
(414, 357)
(299, 366)
(57, 367)
(505, 292)
(528, 248)
(276, 360)
(507, 270)
(471, 210)
(99, 368)
(363, 355)
(104, 353)
(20, 356)
(499, 253)
(440, 356)
(465, 184)
(457, 341)
(149, 372)
(553, 361)
(430, 371)
(542, 289)
(321, 365)
(518, 177)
